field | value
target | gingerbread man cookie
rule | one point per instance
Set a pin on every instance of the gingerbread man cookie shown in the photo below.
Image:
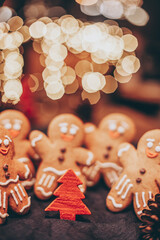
(12, 193)
(59, 152)
(19, 127)
(140, 179)
(103, 142)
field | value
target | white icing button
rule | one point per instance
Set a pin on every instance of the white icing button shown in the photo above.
(0, 141)
(7, 126)
(112, 126)
(149, 144)
(6, 142)
(63, 129)
(157, 148)
(16, 126)
(73, 131)
(121, 129)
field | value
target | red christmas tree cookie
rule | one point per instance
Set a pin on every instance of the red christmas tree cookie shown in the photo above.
(69, 202)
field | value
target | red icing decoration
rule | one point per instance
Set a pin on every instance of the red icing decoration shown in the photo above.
(69, 202)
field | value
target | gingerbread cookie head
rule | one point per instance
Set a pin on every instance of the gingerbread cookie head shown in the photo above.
(118, 126)
(67, 128)
(6, 145)
(16, 123)
(149, 146)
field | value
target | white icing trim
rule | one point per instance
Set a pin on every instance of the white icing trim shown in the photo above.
(46, 194)
(51, 181)
(27, 171)
(20, 187)
(110, 177)
(74, 126)
(62, 124)
(23, 160)
(116, 205)
(36, 139)
(41, 179)
(14, 197)
(3, 215)
(89, 129)
(137, 201)
(120, 182)
(8, 138)
(90, 158)
(4, 200)
(150, 194)
(46, 180)
(150, 140)
(110, 165)
(139, 212)
(125, 149)
(26, 206)
(127, 190)
(81, 188)
(16, 190)
(58, 172)
(9, 181)
(0, 198)
(28, 183)
(123, 186)
(144, 200)
(18, 121)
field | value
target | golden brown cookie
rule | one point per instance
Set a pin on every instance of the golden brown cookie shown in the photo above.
(19, 127)
(12, 193)
(140, 179)
(103, 142)
(59, 151)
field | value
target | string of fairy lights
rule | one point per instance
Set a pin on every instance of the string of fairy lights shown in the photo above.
(74, 54)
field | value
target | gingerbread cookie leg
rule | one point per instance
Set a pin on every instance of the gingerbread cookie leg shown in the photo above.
(18, 199)
(140, 200)
(83, 186)
(45, 185)
(3, 205)
(120, 195)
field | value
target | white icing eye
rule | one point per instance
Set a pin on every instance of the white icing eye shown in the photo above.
(17, 126)
(0, 141)
(150, 144)
(121, 129)
(157, 149)
(73, 131)
(64, 129)
(112, 126)
(6, 142)
(7, 126)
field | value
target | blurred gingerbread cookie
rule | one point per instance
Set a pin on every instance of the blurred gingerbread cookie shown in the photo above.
(103, 142)
(19, 127)
(59, 151)
(140, 179)
(12, 193)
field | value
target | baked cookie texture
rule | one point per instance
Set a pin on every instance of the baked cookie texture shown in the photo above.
(103, 141)
(140, 179)
(59, 151)
(19, 127)
(12, 192)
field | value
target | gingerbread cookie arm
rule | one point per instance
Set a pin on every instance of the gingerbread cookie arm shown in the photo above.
(31, 152)
(83, 156)
(120, 195)
(127, 154)
(22, 170)
(40, 142)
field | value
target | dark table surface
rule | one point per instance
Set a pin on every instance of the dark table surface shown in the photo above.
(101, 225)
